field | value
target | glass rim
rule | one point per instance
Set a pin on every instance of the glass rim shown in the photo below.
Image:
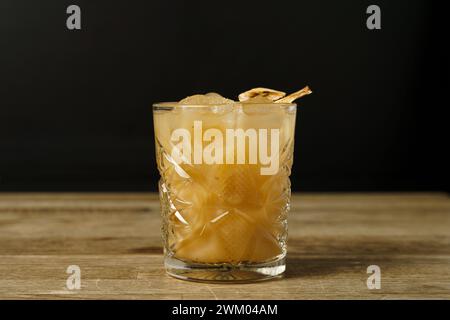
(165, 105)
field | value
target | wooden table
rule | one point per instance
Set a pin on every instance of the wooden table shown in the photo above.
(333, 238)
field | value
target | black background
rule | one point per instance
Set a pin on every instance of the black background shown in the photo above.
(75, 106)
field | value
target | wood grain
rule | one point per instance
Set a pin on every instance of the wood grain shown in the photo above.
(333, 238)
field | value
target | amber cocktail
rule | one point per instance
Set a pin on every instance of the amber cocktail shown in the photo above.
(224, 186)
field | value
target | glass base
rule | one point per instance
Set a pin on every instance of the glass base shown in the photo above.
(220, 273)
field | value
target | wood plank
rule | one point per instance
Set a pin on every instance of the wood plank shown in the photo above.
(115, 239)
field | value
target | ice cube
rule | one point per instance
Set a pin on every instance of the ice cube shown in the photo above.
(213, 94)
(208, 99)
(221, 108)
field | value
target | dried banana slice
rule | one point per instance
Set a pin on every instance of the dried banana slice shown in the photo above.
(294, 96)
(271, 94)
(258, 100)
